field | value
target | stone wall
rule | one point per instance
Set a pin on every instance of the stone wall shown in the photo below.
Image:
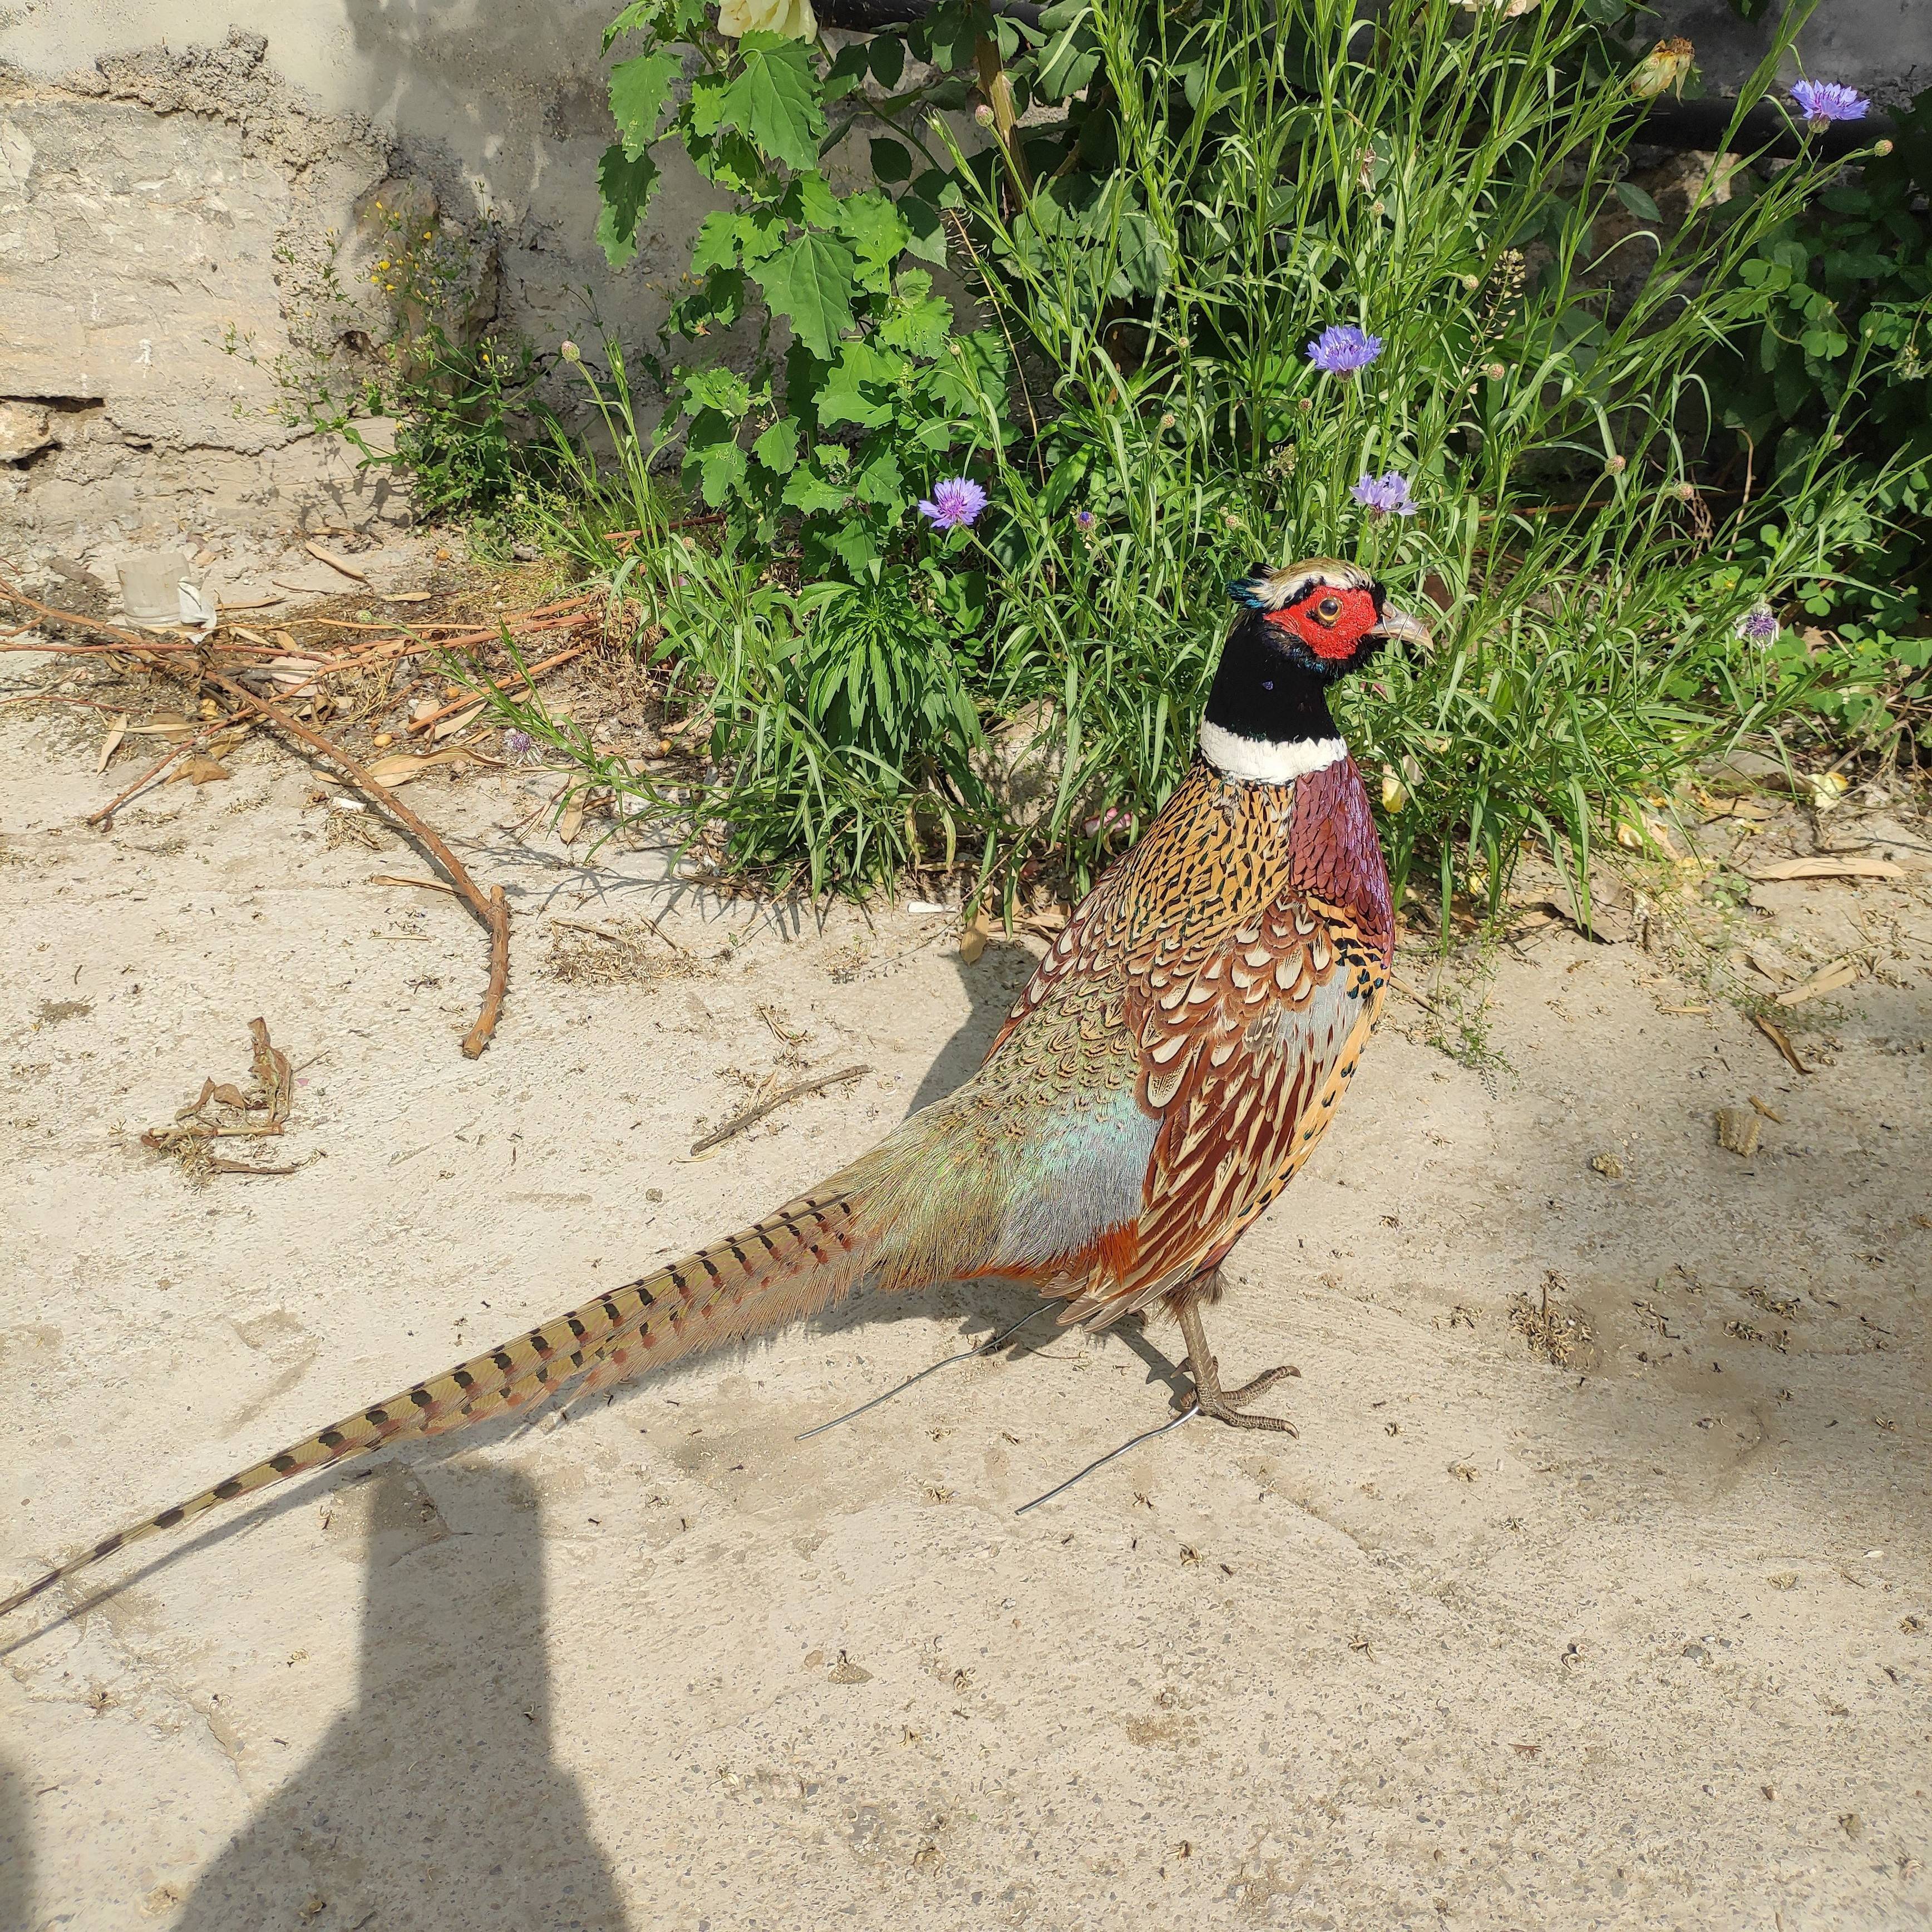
(188, 195)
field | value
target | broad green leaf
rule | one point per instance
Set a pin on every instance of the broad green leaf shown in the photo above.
(917, 321)
(624, 184)
(810, 203)
(720, 469)
(716, 388)
(974, 365)
(847, 71)
(857, 547)
(886, 59)
(775, 100)
(717, 245)
(891, 160)
(809, 492)
(879, 481)
(871, 223)
(809, 282)
(760, 235)
(928, 239)
(639, 89)
(777, 449)
(842, 399)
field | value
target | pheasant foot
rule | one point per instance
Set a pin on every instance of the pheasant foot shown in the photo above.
(1225, 1405)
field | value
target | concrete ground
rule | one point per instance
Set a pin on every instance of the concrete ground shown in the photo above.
(1632, 1630)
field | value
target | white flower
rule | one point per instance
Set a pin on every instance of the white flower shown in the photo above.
(793, 18)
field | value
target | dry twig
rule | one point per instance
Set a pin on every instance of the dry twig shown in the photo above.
(752, 1115)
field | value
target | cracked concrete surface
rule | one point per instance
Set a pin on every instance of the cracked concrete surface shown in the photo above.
(1642, 1641)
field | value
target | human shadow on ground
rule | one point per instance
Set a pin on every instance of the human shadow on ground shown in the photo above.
(434, 1803)
(16, 1849)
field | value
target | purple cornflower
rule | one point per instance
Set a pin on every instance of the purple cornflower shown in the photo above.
(1342, 349)
(1759, 625)
(517, 743)
(1385, 496)
(955, 505)
(1821, 102)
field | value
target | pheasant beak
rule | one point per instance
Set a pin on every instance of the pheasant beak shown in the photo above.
(1398, 625)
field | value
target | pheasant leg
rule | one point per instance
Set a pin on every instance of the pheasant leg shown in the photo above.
(1224, 1405)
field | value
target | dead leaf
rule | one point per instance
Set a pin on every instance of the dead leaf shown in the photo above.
(1780, 1038)
(401, 768)
(335, 563)
(1769, 1112)
(972, 941)
(405, 596)
(570, 823)
(1828, 865)
(461, 721)
(1738, 1130)
(1832, 979)
(198, 770)
(116, 732)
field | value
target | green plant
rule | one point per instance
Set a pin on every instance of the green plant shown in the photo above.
(1441, 184)
(1848, 289)
(877, 397)
(1224, 184)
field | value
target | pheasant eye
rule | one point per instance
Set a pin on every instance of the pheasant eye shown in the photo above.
(1329, 609)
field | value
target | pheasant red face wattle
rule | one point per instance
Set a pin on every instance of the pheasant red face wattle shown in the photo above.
(1331, 622)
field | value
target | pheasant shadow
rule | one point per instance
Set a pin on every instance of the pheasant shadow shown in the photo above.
(434, 1802)
(992, 982)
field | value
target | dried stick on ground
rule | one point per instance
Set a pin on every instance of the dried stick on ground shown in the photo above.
(430, 720)
(751, 1116)
(492, 911)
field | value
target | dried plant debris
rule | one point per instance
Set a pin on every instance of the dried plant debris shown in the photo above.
(1738, 1130)
(627, 952)
(1559, 1334)
(225, 1111)
(349, 822)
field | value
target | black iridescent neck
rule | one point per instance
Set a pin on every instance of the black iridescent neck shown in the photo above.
(1258, 693)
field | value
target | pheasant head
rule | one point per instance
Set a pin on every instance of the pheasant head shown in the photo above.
(1297, 631)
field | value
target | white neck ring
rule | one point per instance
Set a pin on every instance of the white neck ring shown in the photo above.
(1262, 761)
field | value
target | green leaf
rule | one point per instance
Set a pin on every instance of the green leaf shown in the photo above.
(638, 91)
(775, 100)
(1639, 203)
(1071, 58)
(624, 185)
(716, 388)
(777, 448)
(879, 481)
(887, 59)
(809, 282)
(855, 547)
(847, 71)
(917, 321)
(717, 245)
(810, 493)
(720, 469)
(871, 223)
(892, 161)
(928, 236)
(810, 203)
(978, 368)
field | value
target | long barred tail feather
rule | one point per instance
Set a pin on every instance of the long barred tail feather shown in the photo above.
(808, 1255)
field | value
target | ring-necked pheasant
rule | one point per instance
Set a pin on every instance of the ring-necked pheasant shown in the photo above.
(1169, 1066)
